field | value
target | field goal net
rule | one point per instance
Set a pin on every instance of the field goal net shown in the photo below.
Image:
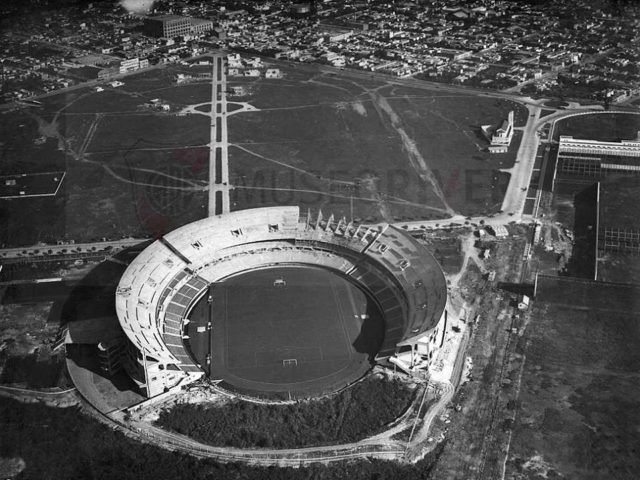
(290, 362)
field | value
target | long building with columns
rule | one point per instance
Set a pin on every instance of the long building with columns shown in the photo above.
(595, 158)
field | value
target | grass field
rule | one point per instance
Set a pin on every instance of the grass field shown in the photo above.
(30, 184)
(130, 172)
(357, 147)
(578, 408)
(399, 152)
(127, 133)
(303, 337)
(606, 127)
(618, 267)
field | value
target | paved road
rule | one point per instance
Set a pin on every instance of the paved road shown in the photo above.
(291, 457)
(219, 144)
(515, 196)
(78, 86)
(447, 391)
(77, 249)
(36, 392)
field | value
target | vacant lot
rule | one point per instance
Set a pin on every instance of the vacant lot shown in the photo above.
(396, 152)
(606, 127)
(578, 408)
(356, 147)
(129, 171)
(132, 132)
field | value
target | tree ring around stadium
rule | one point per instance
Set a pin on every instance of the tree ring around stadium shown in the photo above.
(270, 302)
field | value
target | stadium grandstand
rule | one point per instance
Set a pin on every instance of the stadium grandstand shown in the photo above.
(179, 273)
(592, 158)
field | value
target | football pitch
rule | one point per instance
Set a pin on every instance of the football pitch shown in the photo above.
(288, 330)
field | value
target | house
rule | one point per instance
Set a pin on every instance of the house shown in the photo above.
(237, 91)
(273, 73)
(500, 231)
(234, 60)
(523, 304)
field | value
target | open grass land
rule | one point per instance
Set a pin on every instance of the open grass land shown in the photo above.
(24, 146)
(129, 171)
(578, 408)
(112, 100)
(25, 360)
(30, 184)
(126, 133)
(29, 147)
(394, 152)
(357, 147)
(618, 210)
(606, 127)
(476, 435)
(618, 267)
(446, 248)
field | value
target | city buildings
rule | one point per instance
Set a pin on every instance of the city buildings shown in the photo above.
(171, 26)
(168, 26)
(505, 45)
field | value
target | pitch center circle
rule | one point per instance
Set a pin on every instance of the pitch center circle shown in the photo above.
(285, 331)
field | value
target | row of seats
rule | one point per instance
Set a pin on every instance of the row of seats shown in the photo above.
(269, 255)
(176, 311)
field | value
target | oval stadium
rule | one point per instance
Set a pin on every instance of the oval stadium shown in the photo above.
(275, 304)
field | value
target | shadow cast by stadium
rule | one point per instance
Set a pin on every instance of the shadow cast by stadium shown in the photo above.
(371, 333)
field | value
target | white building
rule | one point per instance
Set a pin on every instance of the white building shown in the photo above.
(504, 133)
(593, 157)
(130, 65)
(501, 137)
(273, 73)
